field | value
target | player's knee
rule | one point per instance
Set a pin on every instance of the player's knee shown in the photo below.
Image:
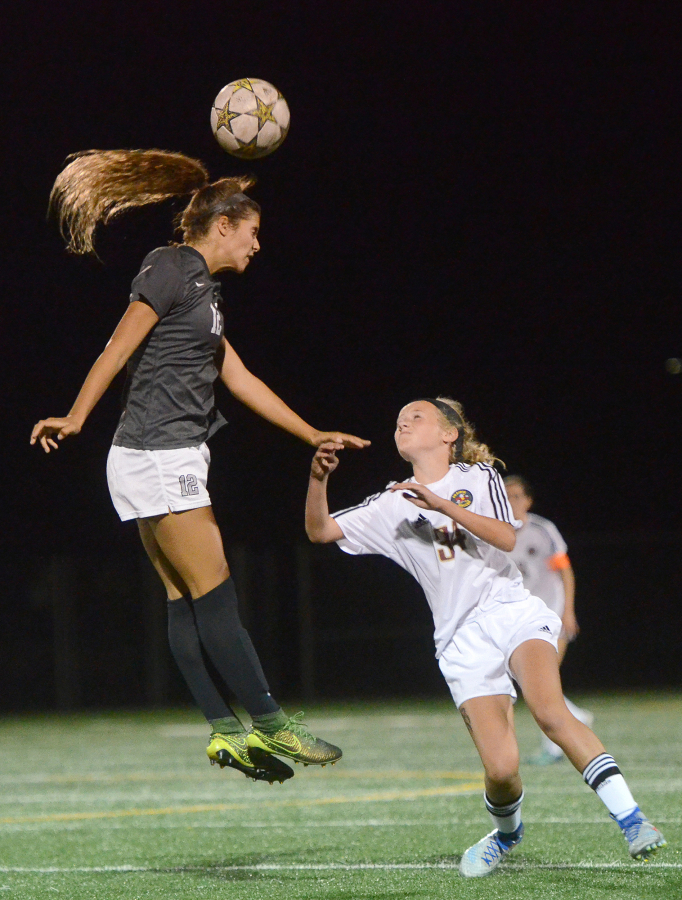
(503, 769)
(222, 572)
(203, 582)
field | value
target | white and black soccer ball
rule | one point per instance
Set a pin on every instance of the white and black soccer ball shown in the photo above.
(250, 118)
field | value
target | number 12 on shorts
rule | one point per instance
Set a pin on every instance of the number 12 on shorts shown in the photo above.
(188, 485)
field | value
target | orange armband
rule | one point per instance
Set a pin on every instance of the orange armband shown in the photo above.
(558, 561)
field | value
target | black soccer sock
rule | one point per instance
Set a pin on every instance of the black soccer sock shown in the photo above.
(186, 649)
(229, 648)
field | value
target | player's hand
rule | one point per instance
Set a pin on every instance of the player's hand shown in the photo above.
(570, 628)
(419, 495)
(325, 460)
(46, 428)
(340, 439)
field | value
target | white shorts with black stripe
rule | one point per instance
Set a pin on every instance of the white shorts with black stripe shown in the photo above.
(475, 662)
(145, 483)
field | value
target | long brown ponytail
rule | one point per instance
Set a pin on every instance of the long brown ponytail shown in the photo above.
(473, 451)
(98, 185)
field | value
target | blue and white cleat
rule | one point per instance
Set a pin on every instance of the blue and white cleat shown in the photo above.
(485, 856)
(643, 839)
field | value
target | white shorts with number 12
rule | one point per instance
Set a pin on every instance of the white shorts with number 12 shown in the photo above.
(146, 483)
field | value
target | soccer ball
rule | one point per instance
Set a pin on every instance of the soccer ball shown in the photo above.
(250, 118)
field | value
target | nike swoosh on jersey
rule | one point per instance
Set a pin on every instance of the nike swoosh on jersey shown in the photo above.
(200, 284)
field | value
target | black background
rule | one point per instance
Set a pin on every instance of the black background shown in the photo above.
(481, 200)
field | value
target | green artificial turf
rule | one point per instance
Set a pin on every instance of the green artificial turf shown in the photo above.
(126, 806)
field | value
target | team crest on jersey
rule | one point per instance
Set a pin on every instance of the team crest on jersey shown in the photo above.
(462, 498)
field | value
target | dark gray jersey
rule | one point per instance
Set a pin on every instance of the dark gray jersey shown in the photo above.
(168, 398)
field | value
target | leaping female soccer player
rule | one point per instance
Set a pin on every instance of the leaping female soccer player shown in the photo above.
(172, 339)
(451, 527)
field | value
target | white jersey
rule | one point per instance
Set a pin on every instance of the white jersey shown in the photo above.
(539, 547)
(458, 572)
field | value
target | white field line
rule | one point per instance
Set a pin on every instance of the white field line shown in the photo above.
(323, 867)
(151, 824)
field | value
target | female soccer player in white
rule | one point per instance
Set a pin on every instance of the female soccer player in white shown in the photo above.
(541, 555)
(451, 527)
(172, 339)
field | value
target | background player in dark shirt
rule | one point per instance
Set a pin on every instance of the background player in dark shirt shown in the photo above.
(171, 337)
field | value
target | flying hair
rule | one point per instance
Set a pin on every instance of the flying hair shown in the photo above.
(96, 186)
(472, 450)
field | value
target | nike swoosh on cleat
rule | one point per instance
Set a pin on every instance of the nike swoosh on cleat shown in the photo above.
(293, 745)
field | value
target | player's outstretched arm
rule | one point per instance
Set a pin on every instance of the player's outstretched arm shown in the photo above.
(252, 392)
(492, 531)
(138, 321)
(319, 525)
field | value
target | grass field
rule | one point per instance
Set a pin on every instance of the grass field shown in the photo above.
(126, 806)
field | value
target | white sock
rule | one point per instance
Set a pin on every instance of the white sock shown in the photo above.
(605, 779)
(505, 818)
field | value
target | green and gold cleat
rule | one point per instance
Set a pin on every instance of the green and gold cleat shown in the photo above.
(233, 750)
(294, 741)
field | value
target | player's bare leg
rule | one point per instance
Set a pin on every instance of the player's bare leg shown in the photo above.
(228, 741)
(490, 721)
(551, 752)
(191, 543)
(535, 666)
(174, 585)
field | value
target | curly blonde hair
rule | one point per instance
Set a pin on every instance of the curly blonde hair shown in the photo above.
(466, 448)
(98, 185)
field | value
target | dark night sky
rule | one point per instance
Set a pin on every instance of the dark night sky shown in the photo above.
(480, 199)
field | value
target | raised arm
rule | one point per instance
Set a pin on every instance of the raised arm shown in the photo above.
(138, 321)
(319, 525)
(252, 392)
(492, 531)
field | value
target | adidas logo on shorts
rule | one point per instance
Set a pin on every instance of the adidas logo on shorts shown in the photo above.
(545, 628)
